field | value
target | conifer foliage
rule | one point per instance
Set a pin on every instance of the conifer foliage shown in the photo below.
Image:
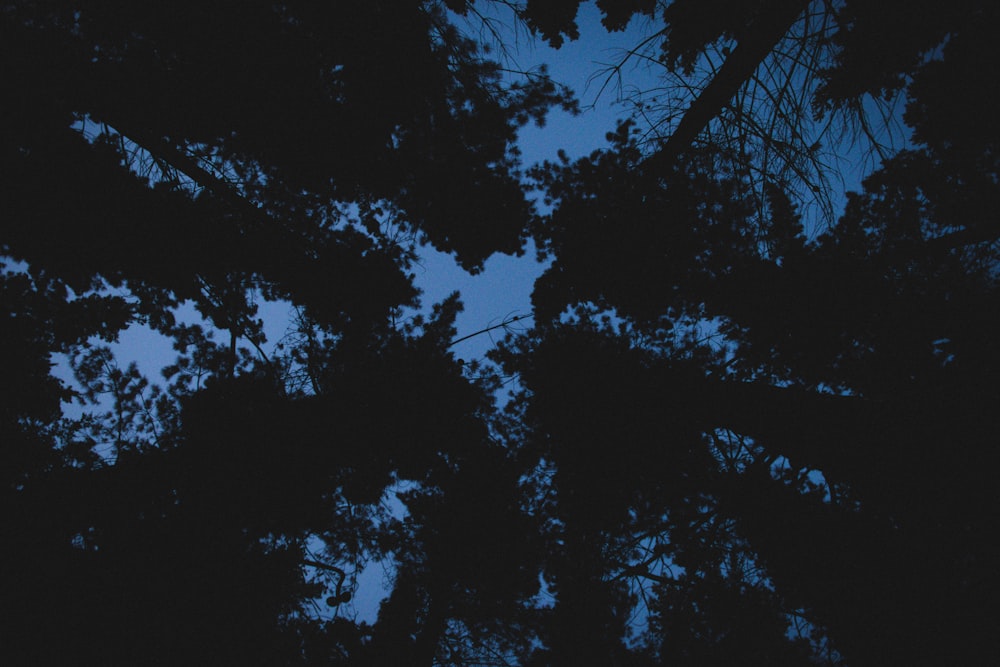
(738, 431)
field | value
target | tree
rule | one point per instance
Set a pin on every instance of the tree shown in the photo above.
(735, 434)
(770, 435)
(215, 155)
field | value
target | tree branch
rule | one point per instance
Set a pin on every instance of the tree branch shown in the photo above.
(503, 324)
(753, 47)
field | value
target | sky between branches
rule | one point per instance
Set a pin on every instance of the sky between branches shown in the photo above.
(503, 289)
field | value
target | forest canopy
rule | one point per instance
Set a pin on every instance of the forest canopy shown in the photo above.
(751, 419)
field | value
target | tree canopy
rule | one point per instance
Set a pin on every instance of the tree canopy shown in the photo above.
(752, 420)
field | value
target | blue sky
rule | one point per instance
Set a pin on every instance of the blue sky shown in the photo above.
(503, 289)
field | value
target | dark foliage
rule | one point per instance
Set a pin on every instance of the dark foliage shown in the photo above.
(733, 436)
(842, 386)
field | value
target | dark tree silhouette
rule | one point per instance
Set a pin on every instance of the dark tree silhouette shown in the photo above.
(214, 155)
(779, 438)
(735, 434)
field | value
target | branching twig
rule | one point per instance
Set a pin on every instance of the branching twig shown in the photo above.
(503, 324)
